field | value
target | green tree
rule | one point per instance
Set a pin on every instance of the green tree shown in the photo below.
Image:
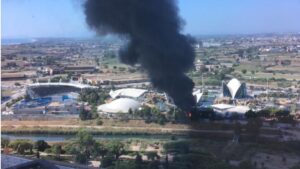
(84, 114)
(41, 145)
(81, 158)
(99, 150)
(94, 112)
(71, 148)
(244, 71)
(4, 142)
(250, 114)
(85, 142)
(99, 122)
(21, 146)
(282, 113)
(152, 155)
(178, 146)
(17, 84)
(125, 165)
(57, 150)
(84, 145)
(138, 160)
(107, 161)
(154, 165)
(93, 96)
(117, 148)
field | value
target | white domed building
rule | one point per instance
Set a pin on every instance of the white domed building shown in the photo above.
(119, 106)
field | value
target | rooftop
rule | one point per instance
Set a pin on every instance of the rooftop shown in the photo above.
(127, 92)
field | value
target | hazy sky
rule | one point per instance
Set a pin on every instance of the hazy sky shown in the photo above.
(64, 18)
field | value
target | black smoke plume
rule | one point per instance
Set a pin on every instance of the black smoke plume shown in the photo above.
(153, 29)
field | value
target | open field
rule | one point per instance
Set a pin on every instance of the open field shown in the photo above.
(285, 68)
(287, 76)
(249, 66)
(106, 122)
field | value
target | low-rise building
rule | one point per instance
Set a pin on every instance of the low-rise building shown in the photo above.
(227, 110)
(13, 76)
(79, 69)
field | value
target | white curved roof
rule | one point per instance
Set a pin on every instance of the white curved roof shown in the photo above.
(198, 95)
(128, 92)
(233, 86)
(121, 105)
(239, 109)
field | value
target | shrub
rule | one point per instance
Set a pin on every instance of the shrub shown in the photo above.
(4, 142)
(41, 145)
(21, 146)
(107, 161)
(81, 158)
(99, 122)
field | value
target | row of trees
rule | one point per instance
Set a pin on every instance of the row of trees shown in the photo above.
(14, 101)
(93, 96)
(85, 114)
(280, 115)
(268, 113)
(84, 148)
(22, 146)
(150, 115)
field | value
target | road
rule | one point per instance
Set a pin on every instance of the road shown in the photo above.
(8, 161)
(16, 95)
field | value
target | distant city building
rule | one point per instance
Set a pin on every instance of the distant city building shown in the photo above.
(212, 68)
(199, 66)
(13, 76)
(54, 70)
(234, 89)
(79, 69)
(211, 44)
(113, 79)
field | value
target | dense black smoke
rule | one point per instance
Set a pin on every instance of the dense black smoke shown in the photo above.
(153, 29)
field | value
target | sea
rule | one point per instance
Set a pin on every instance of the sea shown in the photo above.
(17, 41)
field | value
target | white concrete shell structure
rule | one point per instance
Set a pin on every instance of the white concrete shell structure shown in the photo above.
(227, 110)
(121, 105)
(128, 92)
(198, 94)
(234, 89)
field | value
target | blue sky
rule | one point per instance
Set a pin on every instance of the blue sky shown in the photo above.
(64, 18)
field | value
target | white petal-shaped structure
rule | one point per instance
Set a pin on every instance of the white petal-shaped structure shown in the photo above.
(234, 89)
(198, 94)
(121, 105)
(128, 92)
(233, 86)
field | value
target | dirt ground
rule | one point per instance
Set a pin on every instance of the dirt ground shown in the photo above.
(106, 122)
